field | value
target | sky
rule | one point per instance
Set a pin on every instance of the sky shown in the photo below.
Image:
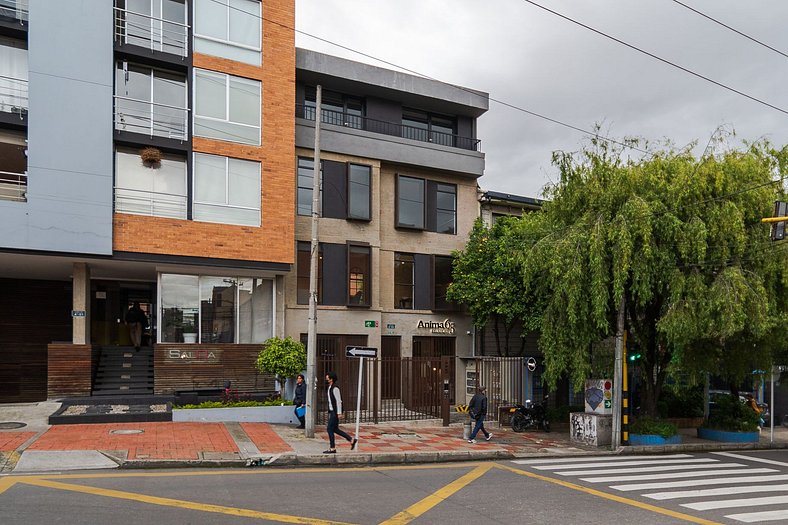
(537, 61)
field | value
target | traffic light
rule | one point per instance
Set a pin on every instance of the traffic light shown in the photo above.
(778, 228)
(634, 357)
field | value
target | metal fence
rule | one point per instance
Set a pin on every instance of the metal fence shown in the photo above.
(504, 378)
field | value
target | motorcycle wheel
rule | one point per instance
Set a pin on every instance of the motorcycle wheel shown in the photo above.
(518, 423)
(546, 425)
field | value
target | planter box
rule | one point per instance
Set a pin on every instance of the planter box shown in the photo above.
(280, 414)
(728, 437)
(653, 439)
(590, 429)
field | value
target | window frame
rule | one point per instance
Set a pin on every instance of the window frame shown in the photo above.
(347, 164)
(367, 290)
(226, 5)
(450, 306)
(397, 222)
(399, 302)
(439, 209)
(186, 196)
(306, 246)
(227, 160)
(226, 120)
(369, 192)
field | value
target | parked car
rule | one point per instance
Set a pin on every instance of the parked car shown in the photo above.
(714, 395)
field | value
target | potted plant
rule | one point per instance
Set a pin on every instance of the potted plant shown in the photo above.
(189, 331)
(151, 157)
(650, 431)
(282, 357)
(730, 421)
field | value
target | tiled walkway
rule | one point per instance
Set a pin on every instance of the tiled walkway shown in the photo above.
(10, 441)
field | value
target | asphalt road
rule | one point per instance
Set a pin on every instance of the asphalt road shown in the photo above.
(631, 489)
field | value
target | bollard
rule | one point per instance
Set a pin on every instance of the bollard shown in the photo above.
(466, 430)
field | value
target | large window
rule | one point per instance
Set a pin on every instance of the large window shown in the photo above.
(13, 165)
(229, 28)
(443, 279)
(404, 280)
(150, 101)
(343, 274)
(345, 189)
(421, 281)
(426, 205)
(13, 75)
(226, 107)
(226, 190)
(159, 25)
(336, 108)
(150, 189)
(427, 127)
(216, 309)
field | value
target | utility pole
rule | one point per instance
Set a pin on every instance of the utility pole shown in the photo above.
(311, 342)
(618, 374)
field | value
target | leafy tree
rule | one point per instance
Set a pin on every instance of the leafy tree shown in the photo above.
(284, 358)
(670, 246)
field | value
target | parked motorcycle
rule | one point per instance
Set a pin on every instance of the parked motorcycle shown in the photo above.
(530, 416)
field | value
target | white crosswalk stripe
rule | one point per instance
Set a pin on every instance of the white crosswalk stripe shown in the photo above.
(683, 477)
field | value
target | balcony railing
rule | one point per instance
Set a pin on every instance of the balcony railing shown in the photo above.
(16, 9)
(339, 118)
(151, 118)
(157, 34)
(139, 202)
(13, 95)
(13, 186)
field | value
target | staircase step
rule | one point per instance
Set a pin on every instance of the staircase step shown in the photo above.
(123, 391)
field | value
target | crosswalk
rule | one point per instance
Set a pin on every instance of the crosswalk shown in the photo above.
(755, 489)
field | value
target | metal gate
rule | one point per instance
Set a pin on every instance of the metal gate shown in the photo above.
(504, 378)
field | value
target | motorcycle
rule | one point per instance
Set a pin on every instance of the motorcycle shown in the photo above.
(529, 416)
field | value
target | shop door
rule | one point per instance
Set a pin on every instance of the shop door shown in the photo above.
(435, 348)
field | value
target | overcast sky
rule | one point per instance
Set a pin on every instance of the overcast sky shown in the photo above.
(525, 56)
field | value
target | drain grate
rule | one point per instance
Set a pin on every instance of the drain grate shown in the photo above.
(10, 425)
(126, 432)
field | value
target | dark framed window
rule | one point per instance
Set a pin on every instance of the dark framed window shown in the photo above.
(336, 108)
(303, 263)
(359, 265)
(404, 280)
(345, 189)
(442, 279)
(426, 205)
(359, 194)
(421, 281)
(428, 127)
(306, 170)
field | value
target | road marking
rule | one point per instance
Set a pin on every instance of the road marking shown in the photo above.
(168, 502)
(724, 491)
(731, 503)
(419, 508)
(660, 468)
(674, 475)
(696, 482)
(6, 483)
(759, 460)
(624, 464)
(599, 458)
(612, 497)
(753, 517)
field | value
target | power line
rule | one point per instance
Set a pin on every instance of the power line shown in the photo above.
(656, 57)
(748, 37)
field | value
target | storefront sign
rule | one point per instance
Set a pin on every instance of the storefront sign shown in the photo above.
(440, 327)
(77, 313)
(196, 356)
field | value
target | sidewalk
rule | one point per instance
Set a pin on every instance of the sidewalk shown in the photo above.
(37, 447)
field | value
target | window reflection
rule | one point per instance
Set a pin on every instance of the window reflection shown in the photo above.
(179, 308)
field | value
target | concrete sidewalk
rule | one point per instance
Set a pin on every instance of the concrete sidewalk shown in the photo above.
(37, 447)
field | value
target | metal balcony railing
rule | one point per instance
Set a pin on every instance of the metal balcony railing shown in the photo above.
(139, 202)
(16, 9)
(13, 186)
(339, 118)
(151, 118)
(157, 34)
(13, 95)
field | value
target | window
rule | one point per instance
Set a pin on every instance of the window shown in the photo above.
(443, 279)
(159, 25)
(426, 205)
(343, 274)
(13, 165)
(421, 281)
(345, 189)
(226, 190)
(158, 190)
(150, 101)
(426, 127)
(403, 280)
(229, 28)
(216, 309)
(336, 108)
(15, 9)
(226, 107)
(13, 75)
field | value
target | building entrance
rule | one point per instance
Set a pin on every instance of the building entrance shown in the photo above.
(109, 302)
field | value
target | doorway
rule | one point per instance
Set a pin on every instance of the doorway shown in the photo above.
(109, 302)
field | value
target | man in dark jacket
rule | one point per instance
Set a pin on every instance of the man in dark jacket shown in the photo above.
(137, 320)
(477, 409)
(300, 400)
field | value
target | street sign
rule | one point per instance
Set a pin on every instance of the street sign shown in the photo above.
(360, 351)
(77, 313)
(531, 364)
(370, 324)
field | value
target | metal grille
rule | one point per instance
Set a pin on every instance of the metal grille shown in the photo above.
(504, 379)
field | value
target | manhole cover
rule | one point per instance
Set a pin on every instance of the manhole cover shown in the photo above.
(125, 432)
(8, 425)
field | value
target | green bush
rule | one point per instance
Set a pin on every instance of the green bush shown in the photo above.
(732, 415)
(236, 404)
(680, 401)
(654, 427)
(282, 357)
(560, 414)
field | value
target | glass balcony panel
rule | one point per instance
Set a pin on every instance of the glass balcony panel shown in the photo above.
(14, 9)
(163, 30)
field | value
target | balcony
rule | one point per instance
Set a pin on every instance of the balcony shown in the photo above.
(14, 9)
(13, 186)
(13, 95)
(156, 204)
(151, 118)
(396, 129)
(156, 34)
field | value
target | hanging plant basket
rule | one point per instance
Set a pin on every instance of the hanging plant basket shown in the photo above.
(151, 157)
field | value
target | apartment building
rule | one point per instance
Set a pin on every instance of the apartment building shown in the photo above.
(146, 155)
(400, 159)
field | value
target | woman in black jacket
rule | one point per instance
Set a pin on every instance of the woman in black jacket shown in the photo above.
(300, 400)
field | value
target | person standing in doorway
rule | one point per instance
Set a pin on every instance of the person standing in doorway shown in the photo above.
(334, 415)
(136, 320)
(477, 409)
(300, 400)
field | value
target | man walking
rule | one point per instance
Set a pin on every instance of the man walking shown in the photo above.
(137, 320)
(334, 415)
(477, 409)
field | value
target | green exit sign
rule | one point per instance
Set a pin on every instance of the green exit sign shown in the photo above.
(370, 324)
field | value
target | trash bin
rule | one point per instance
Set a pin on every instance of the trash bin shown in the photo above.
(466, 430)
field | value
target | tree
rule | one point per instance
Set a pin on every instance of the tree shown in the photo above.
(282, 357)
(676, 246)
(488, 281)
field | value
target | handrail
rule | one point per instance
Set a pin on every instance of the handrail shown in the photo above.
(160, 33)
(140, 116)
(13, 94)
(13, 186)
(121, 97)
(339, 118)
(141, 202)
(17, 9)
(146, 16)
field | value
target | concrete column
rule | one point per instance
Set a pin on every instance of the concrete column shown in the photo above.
(80, 315)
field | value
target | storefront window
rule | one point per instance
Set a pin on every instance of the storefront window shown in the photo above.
(255, 310)
(180, 302)
(217, 309)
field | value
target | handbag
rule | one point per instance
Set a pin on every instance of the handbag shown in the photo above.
(300, 411)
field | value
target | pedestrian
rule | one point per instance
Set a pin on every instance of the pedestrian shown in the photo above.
(334, 415)
(477, 409)
(755, 408)
(300, 400)
(136, 320)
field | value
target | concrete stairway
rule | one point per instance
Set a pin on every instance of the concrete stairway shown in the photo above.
(122, 371)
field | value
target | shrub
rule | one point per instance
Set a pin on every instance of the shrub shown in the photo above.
(236, 404)
(680, 401)
(282, 357)
(654, 427)
(731, 415)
